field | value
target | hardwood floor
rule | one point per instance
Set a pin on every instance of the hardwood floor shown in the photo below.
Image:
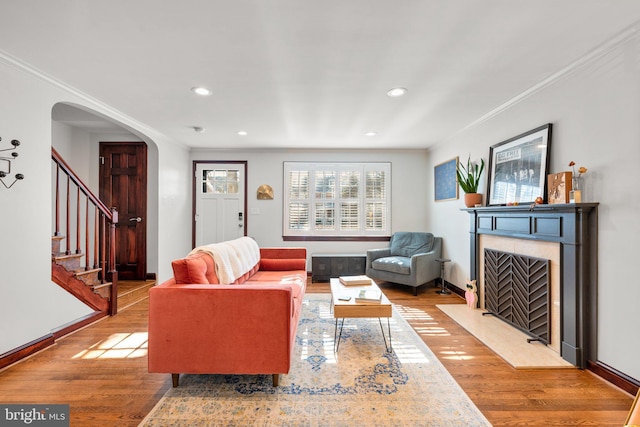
(506, 396)
(101, 371)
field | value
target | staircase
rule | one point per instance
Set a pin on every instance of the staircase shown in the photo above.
(83, 242)
(83, 260)
(83, 282)
(86, 284)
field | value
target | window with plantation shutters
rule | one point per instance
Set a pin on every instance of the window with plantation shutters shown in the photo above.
(298, 197)
(337, 199)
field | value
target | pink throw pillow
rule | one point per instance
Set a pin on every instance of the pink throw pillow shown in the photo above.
(190, 270)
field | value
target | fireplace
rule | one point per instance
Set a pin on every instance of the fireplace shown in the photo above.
(549, 251)
(516, 289)
(568, 233)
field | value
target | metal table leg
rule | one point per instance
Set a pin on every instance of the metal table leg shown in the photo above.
(388, 347)
(336, 342)
(444, 290)
(337, 336)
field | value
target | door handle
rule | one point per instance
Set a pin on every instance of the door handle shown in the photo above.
(136, 219)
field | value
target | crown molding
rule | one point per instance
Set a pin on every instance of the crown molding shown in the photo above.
(598, 52)
(89, 101)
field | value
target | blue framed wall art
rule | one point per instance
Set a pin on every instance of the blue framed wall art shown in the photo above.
(446, 185)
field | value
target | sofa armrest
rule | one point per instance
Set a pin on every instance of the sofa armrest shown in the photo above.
(221, 328)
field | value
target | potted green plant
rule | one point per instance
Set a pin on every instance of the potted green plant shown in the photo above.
(469, 179)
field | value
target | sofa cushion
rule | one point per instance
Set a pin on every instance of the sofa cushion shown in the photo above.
(407, 244)
(282, 264)
(190, 270)
(393, 264)
(271, 276)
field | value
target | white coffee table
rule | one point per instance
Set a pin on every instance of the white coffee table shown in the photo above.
(343, 309)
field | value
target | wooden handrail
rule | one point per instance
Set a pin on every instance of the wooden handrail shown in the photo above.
(103, 250)
(76, 180)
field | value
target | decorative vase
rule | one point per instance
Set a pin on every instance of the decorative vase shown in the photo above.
(471, 297)
(471, 294)
(472, 199)
(575, 195)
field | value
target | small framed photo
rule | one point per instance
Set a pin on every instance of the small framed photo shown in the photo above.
(518, 168)
(446, 183)
(559, 185)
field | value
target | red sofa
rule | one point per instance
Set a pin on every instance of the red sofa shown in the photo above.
(199, 326)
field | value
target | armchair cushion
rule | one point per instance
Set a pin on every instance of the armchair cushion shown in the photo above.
(407, 244)
(393, 264)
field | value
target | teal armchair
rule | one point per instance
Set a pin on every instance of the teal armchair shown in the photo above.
(409, 260)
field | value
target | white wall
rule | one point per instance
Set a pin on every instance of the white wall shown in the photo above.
(174, 206)
(74, 146)
(595, 111)
(30, 305)
(409, 178)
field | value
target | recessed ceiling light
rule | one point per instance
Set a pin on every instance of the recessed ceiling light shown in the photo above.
(396, 92)
(203, 91)
(242, 132)
(198, 129)
(370, 134)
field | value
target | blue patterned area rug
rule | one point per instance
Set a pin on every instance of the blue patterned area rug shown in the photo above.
(360, 385)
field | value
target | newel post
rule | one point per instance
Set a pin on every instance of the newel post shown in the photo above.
(113, 273)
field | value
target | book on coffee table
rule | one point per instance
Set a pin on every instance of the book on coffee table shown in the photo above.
(355, 280)
(369, 296)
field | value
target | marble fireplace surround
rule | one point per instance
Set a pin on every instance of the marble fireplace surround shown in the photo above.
(567, 235)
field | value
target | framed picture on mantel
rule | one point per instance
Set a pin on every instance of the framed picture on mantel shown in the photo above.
(559, 185)
(518, 168)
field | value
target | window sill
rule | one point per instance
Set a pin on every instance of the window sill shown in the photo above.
(336, 238)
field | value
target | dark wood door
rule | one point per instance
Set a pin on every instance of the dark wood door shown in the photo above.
(123, 185)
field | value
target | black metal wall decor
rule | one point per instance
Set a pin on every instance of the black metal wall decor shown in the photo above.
(5, 163)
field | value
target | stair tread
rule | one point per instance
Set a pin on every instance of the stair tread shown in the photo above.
(62, 255)
(101, 285)
(132, 292)
(82, 272)
(138, 289)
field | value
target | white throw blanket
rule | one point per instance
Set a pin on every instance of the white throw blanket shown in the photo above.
(247, 251)
(232, 258)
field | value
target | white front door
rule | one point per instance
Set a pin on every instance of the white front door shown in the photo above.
(220, 196)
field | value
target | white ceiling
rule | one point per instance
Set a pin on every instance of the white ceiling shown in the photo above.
(302, 73)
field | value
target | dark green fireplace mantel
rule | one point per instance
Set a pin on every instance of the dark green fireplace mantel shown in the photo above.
(575, 228)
